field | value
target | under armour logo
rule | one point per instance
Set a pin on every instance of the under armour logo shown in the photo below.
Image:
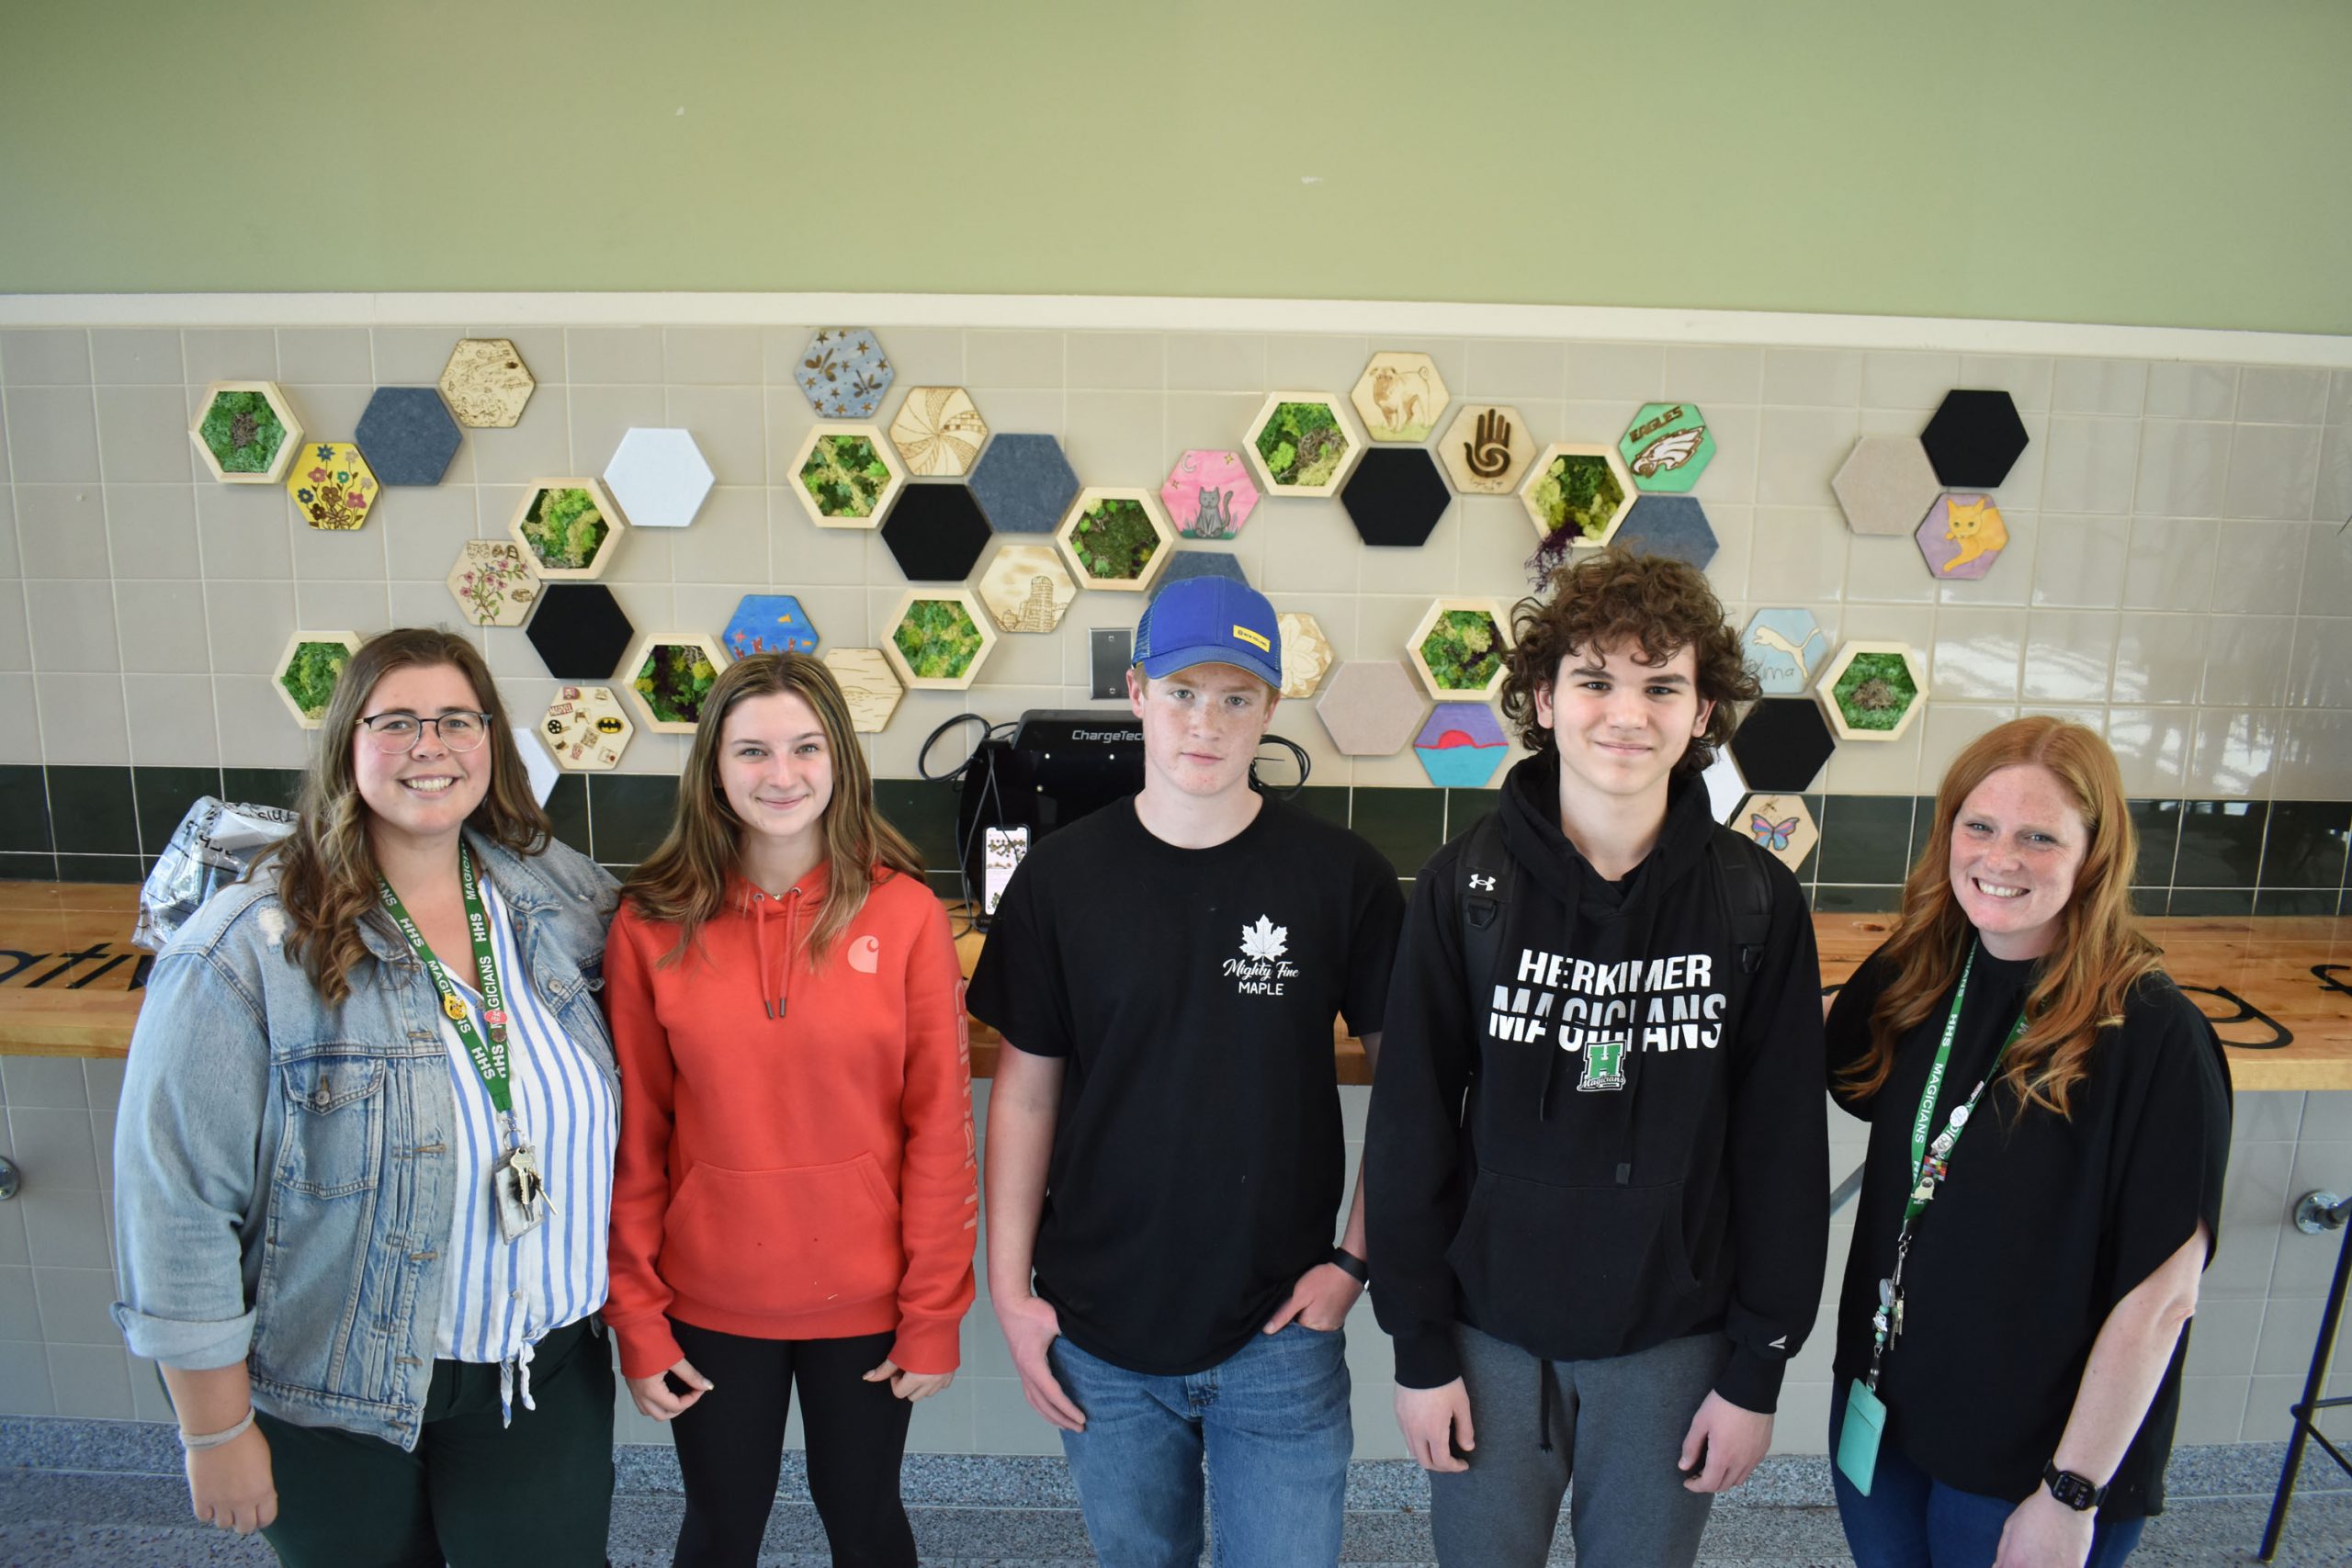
(1481, 883)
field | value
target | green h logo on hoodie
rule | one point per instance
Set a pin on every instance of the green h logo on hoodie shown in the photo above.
(1604, 1066)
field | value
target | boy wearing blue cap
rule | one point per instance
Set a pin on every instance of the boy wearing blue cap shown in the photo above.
(1165, 1159)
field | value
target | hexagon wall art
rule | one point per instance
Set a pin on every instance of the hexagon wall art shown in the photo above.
(768, 623)
(846, 476)
(495, 584)
(581, 631)
(1026, 587)
(1209, 495)
(408, 435)
(669, 675)
(1302, 444)
(1873, 691)
(1371, 707)
(938, 433)
(1667, 446)
(486, 384)
(1461, 746)
(1886, 484)
(1395, 497)
(1782, 825)
(1582, 488)
(1115, 538)
(586, 729)
(870, 684)
(1306, 653)
(1783, 648)
(1023, 483)
(1399, 397)
(1486, 449)
(568, 527)
(659, 477)
(844, 373)
(1962, 537)
(305, 673)
(1458, 649)
(1974, 439)
(332, 486)
(1782, 743)
(935, 533)
(937, 639)
(1671, 526)
(247, 433)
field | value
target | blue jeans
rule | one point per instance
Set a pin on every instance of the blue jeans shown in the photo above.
(1912, 1520)
(1272, 1422)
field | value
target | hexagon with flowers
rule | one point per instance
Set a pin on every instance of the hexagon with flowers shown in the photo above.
(332, 485)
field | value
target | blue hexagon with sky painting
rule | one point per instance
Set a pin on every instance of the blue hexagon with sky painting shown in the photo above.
(407, 435)
(1184, 564)
(1461, 746)
(1785, 649)
(1023, 483)
(768, 623)
(1672, 525)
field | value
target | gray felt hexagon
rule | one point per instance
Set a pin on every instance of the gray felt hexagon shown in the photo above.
(1672, 525)
(407, 435)
(1023, 483)
(1199, 563)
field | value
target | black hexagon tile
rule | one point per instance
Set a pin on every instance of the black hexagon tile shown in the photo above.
(1974, 439)
(408, 435)
(936, 532)
(581, 631)
(1782, 744)
(1395, 496)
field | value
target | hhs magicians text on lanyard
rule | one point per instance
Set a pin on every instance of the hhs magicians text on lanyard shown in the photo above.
(1930, 1165)
(519, 1188)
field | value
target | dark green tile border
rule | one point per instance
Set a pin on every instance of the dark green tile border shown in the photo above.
(91, 811)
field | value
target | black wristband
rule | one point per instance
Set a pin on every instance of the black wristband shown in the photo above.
(1348, 1263)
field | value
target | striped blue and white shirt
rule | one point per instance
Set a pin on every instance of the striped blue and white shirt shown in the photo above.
(504, 1297)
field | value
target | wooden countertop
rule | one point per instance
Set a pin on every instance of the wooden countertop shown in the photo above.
(70, 983)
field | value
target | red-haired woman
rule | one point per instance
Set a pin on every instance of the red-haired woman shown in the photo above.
(2048, 1121)
(794, 1198)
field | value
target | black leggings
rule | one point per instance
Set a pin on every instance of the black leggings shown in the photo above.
(731, 1447)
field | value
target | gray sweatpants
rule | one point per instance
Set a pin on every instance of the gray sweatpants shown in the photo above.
(1617, 1426)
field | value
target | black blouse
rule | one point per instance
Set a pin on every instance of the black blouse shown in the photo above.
(2043, 1225)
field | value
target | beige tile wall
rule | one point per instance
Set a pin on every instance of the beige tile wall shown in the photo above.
(2179, 575)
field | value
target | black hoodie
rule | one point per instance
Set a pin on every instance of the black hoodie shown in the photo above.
(1520, 1182)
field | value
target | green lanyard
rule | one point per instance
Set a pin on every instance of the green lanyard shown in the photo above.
(489, 1057)
(1930, 1163)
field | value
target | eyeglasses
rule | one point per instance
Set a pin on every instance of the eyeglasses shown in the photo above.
(395, 733)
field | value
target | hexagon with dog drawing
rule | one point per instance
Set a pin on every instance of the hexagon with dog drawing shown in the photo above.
(1399, 397)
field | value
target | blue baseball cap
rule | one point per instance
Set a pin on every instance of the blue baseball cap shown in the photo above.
(1209, 620)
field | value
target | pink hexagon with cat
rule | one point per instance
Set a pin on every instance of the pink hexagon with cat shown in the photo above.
(1209, 495)
(1962, 537)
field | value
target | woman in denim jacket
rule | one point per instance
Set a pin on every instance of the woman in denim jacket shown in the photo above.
(364, 1161)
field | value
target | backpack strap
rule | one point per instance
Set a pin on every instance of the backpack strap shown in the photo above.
(1482, 901)
(1748, 898)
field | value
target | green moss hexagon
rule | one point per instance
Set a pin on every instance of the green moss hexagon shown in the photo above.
(247, 433)
(1458, 649)
(846, 476)
(938, 639)
(307, 669)
(1304, 443)
(568, 528)
(1873, 691)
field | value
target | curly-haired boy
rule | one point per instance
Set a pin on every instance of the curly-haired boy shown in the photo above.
(1597, 1157)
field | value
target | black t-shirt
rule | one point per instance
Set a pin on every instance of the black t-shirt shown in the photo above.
(2042, 1227)
(1198, 1159)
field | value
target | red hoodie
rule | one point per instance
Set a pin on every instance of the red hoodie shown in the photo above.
(795, 1150)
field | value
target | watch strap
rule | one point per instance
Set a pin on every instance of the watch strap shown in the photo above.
(2077, 1492)
(1348, 1263)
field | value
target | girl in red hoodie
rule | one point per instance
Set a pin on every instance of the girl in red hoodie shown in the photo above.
(794, 1196)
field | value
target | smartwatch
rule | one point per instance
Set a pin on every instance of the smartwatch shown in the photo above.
(1348, 1263)
(2075, 1490)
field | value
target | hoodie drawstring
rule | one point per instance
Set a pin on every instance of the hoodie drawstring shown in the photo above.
(760, 903)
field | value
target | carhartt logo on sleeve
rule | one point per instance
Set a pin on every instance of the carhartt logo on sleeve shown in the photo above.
(1255, 639)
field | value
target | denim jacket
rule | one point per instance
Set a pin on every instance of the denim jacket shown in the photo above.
(284, 1187)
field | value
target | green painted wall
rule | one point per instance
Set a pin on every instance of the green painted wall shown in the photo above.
(2163, 161)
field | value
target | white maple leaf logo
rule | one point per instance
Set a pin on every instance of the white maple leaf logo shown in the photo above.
(1264, 940)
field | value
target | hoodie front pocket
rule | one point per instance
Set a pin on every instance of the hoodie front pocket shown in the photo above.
(797, 1240)
(1571, 1272)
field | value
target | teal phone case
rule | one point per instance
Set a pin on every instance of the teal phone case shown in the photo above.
(1857, 1438)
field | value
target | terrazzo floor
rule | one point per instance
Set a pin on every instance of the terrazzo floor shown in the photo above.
(86, 1493)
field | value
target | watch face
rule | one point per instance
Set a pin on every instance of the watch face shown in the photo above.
(2072, 1490)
